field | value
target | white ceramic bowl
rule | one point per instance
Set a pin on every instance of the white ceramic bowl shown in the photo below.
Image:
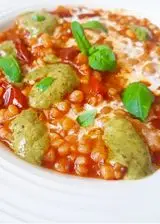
(33, 194)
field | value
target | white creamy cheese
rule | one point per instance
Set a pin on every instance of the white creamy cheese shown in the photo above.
(98, 123)
(125, 45)
(139, 74)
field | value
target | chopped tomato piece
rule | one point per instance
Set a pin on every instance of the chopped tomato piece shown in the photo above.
(156, 158)
(89, 15)
(62, 12)
(3, 84)
(22, 52)
(49, 158)
(13, 95)
(156, 123)
(96, 86)
(157, 111)
(68, 53)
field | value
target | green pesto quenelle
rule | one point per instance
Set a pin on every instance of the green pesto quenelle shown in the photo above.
(64, 80)
(127, 148)
(30, 138)
(8, 48)
(37, 22)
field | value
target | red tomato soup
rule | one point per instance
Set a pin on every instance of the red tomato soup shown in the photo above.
(79, 92)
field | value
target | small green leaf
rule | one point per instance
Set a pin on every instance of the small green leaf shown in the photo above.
(87, 118)
(11, 69)
(45, 83)
(38, 18)
(80, 37)
(95, 25)
(137, 99)
(102, 58)
(142, 33)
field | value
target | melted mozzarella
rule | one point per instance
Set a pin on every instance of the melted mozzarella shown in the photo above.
(139, 74)
(99, 121)
(71, 43)
(125, 45)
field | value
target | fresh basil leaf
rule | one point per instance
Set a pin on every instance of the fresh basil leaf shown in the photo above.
(87, 118)
(38, 18)
(102, 58)
(137, 99)
(11, 69)
(142, 33)
(45, 83)
(80, 37)
(95, 25)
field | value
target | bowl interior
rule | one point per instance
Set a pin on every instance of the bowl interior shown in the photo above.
(40, 194)
(12, 162)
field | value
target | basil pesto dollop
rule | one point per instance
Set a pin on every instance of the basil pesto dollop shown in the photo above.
(127, 148)
(29, 137)
(37, 22)
(64, 80)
